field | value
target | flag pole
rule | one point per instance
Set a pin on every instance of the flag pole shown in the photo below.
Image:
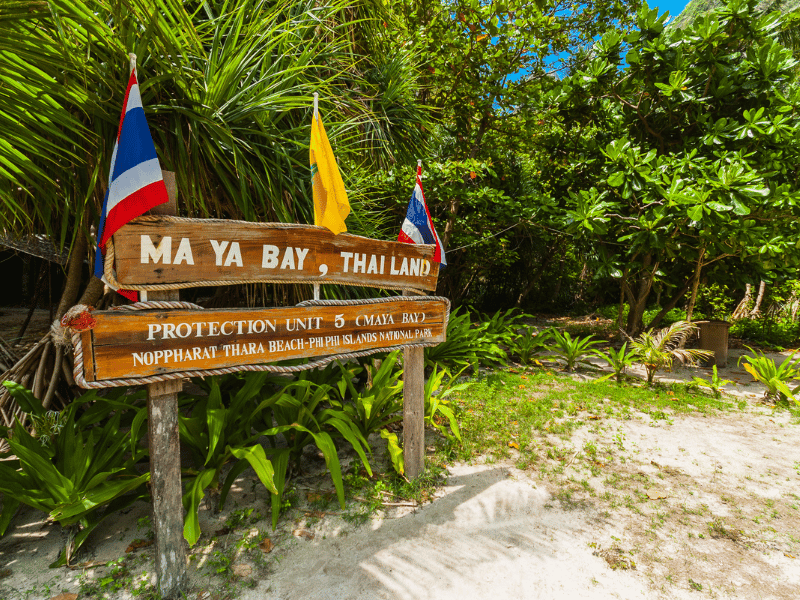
(316, 111)
(132, 58)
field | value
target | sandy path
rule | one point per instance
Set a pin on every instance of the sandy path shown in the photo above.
(491, 534)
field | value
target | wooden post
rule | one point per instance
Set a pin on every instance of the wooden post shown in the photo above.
(413, 410)
(165, 460)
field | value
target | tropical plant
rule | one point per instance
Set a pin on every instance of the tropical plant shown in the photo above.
(619, 361)
(377, 405)
(657, 350)
(501, 327)
(715, 384)
(303, 416)
(466, 345)
(438, 410)
(573, 351)
(685, 188)
(775, 377)
(395, 451)
(219, 430)
(80, 471)
(526, 344)
(484, 65)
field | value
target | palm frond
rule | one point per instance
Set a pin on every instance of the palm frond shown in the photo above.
(227, 87)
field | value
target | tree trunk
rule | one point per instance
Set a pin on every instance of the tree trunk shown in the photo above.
(757, 308)
(74, 275)
(93, 292)
(449, 227)
(742, 308)
(695, 284)
(622, 287)
(671, 303)
(638, 303)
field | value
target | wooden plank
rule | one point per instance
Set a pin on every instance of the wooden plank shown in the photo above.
(185, 253)
(165, 460)
(144, 343)
(414, 411)
(166, 491)
(88, 355)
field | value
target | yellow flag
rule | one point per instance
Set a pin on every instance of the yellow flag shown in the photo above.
(330, 198)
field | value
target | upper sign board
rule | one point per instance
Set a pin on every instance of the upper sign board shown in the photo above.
(173, 253)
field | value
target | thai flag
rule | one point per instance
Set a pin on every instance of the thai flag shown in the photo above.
(135, 183)
(418, 227)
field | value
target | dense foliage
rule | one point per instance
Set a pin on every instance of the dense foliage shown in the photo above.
(558, 164)
(227, 87)
(684, 161)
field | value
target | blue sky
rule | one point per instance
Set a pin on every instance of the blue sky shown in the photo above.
(674, 7)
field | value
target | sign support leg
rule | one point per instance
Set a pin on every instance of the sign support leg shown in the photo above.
(165, 458)
(165, 482)
(413, 410)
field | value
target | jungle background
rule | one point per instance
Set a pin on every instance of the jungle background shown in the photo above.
(575, 155)
(591, 158)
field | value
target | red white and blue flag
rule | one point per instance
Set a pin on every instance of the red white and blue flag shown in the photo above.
(418, 227)
(135, 183)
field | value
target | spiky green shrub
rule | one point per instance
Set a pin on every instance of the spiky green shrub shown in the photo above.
(775, 377)
(81, 470)
(573, 351)
(619, 361)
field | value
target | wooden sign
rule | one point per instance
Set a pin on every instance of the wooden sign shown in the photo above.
(136, 344)
(179, 253)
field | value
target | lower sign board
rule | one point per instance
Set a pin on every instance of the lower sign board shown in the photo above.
(123, 346)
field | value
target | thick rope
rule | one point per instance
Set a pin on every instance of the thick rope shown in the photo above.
(154, 304)
(165, 304)
(111, 274)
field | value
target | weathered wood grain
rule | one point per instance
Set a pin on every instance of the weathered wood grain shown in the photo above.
(144, 343)
(165, 460)
(413, 411)
(186, 252)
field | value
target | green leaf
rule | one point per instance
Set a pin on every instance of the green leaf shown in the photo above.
(191, 502)
(258, 460)
(26, 400)
(616, 179)
(739, 208)
(75, 510)
(280, 462)
(238, 468)
(215, 419)
(695, 213)
(395, 451)
(328, 448)
(10, 506)
(350, 433)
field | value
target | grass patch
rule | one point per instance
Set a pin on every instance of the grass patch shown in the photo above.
(371, 494)
(511, 413)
